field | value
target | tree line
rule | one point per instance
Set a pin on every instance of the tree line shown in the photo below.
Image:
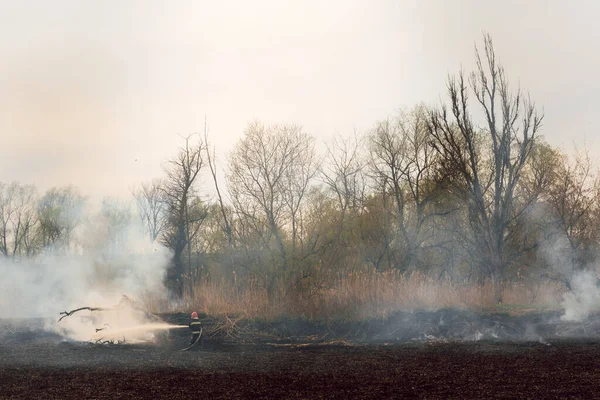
(468, 191)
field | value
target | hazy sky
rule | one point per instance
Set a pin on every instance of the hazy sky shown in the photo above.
(88, 87)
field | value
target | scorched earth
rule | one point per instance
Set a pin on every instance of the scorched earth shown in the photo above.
(37, 364)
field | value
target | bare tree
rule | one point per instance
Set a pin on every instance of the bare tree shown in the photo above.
(152, 207)
(302, 168)
(184, 209)
(332, 211)
(405, 164)
(572, 199)
(60, 212)
(269, 173)
(487, 185)
(532, 229)
(343, 172)
(211, 158)
(18, 218)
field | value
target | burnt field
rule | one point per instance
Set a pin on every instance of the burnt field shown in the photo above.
(411, 355)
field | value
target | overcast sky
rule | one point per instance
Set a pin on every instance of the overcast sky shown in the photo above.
(89, 87)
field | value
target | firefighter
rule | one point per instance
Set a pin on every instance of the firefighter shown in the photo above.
(195, 327)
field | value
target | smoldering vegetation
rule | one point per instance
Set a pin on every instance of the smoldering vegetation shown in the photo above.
(400, 328)
(461, 206)
(61, 253)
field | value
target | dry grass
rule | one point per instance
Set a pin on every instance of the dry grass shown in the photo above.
(354, 296)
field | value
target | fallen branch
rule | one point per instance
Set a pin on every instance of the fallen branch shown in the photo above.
(69, 313)
(228, 328)
(102, 341)
(125, 302)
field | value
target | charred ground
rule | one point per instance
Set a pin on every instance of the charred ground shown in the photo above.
(413, 355)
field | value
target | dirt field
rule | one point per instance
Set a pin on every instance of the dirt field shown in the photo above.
(43, 365)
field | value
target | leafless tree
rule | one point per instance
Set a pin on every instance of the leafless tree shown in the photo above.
(18, 218)
(332, 210)
(343, 172)
(60, 212)
(487, 184)
(302, 168)
(269, 174)
(531, 229)
(405, 164)
(185, 210)
(211, 158)
(152, 207)
(572, 200)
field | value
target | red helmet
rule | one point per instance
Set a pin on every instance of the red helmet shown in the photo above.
(194, 314)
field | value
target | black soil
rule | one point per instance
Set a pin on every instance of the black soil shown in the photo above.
(328, 363)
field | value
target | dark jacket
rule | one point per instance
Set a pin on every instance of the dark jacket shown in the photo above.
(195, 326)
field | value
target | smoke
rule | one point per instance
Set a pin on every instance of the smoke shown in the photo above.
(109, 257)
(583, 299)
(563, 264)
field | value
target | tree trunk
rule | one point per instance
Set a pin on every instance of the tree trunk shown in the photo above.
(176, 270)
(497, 282)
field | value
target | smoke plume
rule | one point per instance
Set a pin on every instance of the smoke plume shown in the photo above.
(583, 299)
(109, 258)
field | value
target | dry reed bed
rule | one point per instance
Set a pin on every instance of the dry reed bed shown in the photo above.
(351, 296)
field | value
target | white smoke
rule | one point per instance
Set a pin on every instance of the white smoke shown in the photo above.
(112, 257)
(562, 265)
(584, 298)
